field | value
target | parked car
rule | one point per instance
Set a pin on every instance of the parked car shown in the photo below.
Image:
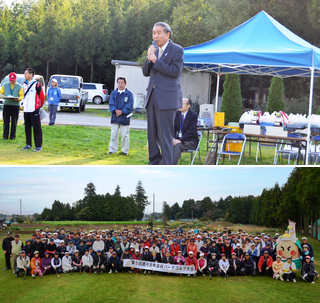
(21, 79)
(73, 95)
(97, 93)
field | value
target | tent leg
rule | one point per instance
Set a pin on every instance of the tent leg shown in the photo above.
(310, 112)
(217, 92)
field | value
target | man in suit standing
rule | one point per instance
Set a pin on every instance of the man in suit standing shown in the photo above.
(185, 130)
(164, 65)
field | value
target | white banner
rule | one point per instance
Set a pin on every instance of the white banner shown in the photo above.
(163, 267)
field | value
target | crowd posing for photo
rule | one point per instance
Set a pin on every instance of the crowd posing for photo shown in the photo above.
(212, 253)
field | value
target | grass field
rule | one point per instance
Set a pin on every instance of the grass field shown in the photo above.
(131, 288)
(79, 223)
(83, 145)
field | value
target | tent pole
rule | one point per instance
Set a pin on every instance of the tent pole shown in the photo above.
(217, 92)
(310, 113)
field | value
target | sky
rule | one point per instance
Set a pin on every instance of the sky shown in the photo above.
(38, 187)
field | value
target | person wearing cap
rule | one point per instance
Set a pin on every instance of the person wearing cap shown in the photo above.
(277, 267)
(16, 247)
(11, 106)
(36, 265)
(46, 262)
(114, 263)
(183, 248)
(305, 242)
(306, 253)
(249, 266)
(28, 248)
(67, 262)
(136, 256)
(289, 271)
(23, 264)
(56, 263)
(81, 247)
(267, 248)
(99, 262)
(61, 249)
(109, 242)
(192, 261)
(202, 265)
(51, 247)
(33, 101)
(76, 261)
(54, 97)
(6, 246)
(223, 265)
(227, 249)
(87, 261)
(239, 252)
(71, 248)
(174, 247)
(235, 265)
(265, 264)
(253, 252)
(126, 256)
(220, 245)
(192, 247)
(308, 271)
(125, 244)
(213, 265)
(199, 244)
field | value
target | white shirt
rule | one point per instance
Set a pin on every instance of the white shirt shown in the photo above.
(163, 48)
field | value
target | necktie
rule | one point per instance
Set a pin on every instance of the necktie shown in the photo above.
(160, 52)
(182, 118)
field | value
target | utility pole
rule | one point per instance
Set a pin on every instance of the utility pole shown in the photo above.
(153, 207)
(20, 207)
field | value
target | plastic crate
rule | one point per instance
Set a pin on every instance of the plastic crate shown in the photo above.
(234, 146)
(219, 119)
(235, 129)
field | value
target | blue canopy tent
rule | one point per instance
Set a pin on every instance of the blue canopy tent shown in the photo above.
(259, 46)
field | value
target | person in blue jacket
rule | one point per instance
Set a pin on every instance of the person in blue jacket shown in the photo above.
(54, 97)
(114, 263)
(120, 105)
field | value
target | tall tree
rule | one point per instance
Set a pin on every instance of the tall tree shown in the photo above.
(231, 98)
(141, 200)
(275, 97)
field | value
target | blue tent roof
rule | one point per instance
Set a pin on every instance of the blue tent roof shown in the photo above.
(260, 46)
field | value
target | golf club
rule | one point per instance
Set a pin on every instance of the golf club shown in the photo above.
(57, 273)
(80, 269)
(90, 270)
(25, 274)
(235, 269)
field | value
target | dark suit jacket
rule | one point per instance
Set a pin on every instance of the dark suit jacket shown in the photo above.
(189, 127)
(165, 75)
(164, 260)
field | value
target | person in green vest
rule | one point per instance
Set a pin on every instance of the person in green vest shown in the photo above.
(11, 105)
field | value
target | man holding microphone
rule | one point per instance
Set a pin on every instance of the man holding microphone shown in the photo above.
(164, 65)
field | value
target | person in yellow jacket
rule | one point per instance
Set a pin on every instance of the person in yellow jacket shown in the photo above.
(14, 93)
(277, 267)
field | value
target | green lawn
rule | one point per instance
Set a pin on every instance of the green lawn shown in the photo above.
(150, 288)
(83, 145)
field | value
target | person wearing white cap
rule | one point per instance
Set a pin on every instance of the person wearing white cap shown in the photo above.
(277, 267)
(54, 97)
(202, 265)
(289, 271)
(66, 262)
(192, 261)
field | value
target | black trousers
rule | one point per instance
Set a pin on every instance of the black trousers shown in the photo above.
(10, 113)
(269, 272)
(8, 264)
(21, 270)
(32, 120)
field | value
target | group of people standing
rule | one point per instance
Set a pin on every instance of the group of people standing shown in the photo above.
(211, 253)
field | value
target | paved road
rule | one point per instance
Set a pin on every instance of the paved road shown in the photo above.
(73, 118)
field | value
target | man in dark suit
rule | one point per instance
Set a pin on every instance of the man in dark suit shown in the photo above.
(185, 130)
(164, 65)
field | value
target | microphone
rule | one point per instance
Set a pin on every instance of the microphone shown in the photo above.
(154, 44)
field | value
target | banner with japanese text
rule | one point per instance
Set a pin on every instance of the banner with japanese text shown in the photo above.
(163, 267)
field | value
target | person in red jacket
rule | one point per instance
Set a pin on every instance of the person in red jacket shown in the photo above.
(265, 264)
(174, 248)
(136, 256)
(227, 249)
(192, 261)
(192, 247)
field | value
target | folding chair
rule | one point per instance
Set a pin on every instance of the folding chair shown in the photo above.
(316, 153)
(267, 143)
(292, 149)
(191, 151)
(232, 137)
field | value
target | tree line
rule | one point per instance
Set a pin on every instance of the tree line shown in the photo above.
(94, 207)
(82, 36)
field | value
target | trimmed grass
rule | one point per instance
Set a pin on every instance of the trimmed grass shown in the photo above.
(150, 288)
(74, 223)
(84, 145)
